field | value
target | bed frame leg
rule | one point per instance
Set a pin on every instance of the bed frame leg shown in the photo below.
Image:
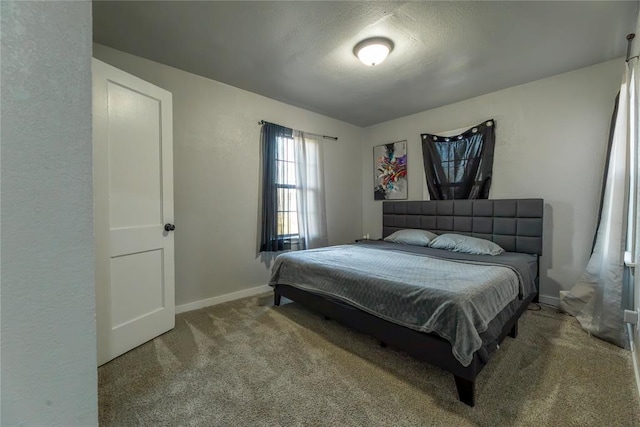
(513, 333)
(276, 298)
(466, 390)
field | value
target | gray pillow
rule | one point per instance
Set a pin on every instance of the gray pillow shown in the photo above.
(466, 244)
(411, 237)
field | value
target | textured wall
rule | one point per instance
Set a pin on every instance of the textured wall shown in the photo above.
(551, 139)
(216, 176)
(47, 307)
(445, 51)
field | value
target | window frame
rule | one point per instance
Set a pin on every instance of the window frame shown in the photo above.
(291, 238)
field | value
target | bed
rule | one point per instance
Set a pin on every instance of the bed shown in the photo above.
(449, 309)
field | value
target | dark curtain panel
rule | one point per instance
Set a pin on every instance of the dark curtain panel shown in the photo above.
(269, 241)
(459, 167)
(612, 128)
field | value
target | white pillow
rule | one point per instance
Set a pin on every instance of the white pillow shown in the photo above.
(466, 244)
(411, 237)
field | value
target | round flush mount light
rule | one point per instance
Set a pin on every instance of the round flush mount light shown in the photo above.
(373, 51)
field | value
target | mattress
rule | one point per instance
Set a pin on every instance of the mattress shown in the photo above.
(456, 296)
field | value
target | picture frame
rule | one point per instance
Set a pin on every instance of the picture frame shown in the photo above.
(390, 171)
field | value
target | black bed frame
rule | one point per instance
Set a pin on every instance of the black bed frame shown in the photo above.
(514, 224)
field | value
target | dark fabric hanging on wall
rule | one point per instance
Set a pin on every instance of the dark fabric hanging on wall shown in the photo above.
(269, 241)
(612, 128)
(460, 166)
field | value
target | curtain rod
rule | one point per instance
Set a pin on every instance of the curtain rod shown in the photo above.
(630, 38)
(334, 138)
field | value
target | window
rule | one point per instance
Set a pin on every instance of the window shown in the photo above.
(633, 168)
(293, 205)
(459, 166)
(286, 185)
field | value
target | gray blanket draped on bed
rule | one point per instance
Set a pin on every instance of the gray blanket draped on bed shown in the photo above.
(429, 290)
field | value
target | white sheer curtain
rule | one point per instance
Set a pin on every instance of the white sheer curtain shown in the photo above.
(312, 222)
(597, 298)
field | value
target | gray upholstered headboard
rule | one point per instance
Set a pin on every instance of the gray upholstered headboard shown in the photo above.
(514, 224)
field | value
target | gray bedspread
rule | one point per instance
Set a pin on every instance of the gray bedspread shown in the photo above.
(430, 290)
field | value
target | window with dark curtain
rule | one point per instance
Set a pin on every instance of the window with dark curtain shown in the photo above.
(279, 210)
(459, 166)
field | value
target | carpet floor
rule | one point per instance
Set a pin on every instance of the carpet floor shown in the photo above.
(248, 363)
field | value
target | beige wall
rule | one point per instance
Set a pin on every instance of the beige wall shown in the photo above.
(216, 176)
(551, 141)
(48, 328)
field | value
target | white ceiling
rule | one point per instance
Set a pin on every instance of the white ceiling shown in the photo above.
(301, 53)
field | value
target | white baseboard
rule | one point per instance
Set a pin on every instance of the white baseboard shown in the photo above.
(222, 298)
(546, 299)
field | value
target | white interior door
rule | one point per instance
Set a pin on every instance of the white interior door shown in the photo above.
(133, 205)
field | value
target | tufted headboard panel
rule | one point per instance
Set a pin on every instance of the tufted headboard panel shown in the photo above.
(514, 224)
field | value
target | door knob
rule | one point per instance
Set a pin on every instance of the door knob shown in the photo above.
(169, 227)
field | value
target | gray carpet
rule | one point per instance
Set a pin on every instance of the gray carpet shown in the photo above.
(247, 363)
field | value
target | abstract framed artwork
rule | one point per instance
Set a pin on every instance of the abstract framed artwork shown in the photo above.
(390, 171)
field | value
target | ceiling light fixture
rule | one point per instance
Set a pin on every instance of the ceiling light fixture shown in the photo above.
(373, 51)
